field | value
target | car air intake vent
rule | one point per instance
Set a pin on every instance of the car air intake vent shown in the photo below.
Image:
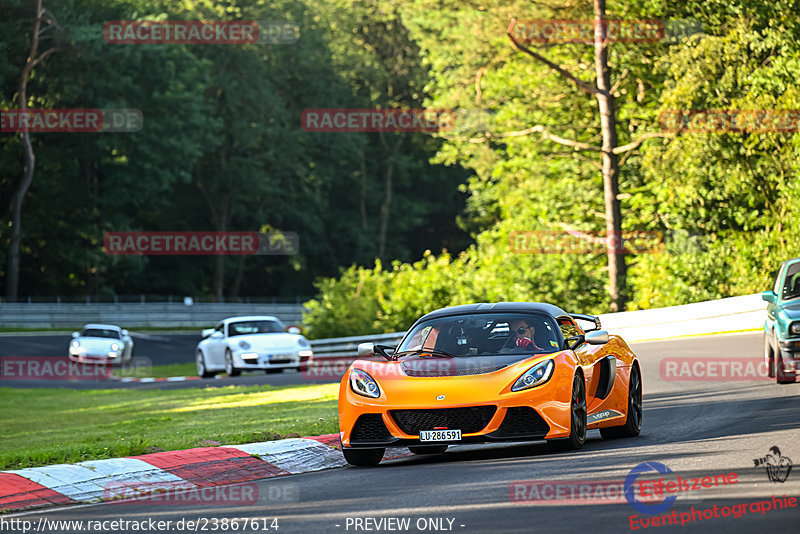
(522, 421)
(470, 419)
(370, 427)
(446, 371)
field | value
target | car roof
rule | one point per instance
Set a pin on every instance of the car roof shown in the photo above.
(484, 307)
(102, 326)
(251, 318)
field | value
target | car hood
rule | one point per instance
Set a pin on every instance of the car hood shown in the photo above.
(98, 343)
(792, 308)
(396, 384)
(267, 341)
(436, 366)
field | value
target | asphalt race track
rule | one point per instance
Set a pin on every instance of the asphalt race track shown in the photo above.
(695, 428)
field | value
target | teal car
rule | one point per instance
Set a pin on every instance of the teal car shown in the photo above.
(782, 326)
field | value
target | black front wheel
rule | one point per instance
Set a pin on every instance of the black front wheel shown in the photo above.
(363, 457)
(633, 423)
(577, 431)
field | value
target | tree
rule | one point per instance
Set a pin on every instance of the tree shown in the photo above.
(29, 157)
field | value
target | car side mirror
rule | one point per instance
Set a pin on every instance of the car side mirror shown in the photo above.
(216, 334)
(207, 332)
(574, 341)
(365, 350)
(597, 337)
(75, 335)
(124, 332)
(294, 330)
(769, 296)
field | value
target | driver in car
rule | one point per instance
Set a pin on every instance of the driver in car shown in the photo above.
(523, 332)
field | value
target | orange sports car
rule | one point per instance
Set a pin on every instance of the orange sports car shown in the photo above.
(510, 371)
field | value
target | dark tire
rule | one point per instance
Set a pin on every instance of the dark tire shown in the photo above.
(769, 356)
(633, 423)
(577, 430)
(428, 449)
(363, 457)
(200, 362)
(782, 377)
(229, 367)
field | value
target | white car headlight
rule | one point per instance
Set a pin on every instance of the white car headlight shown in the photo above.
(76, 344)
(535, 376)
(303, 342)
(363, 384)
(244, 344)
(794, 328)
(114, 347)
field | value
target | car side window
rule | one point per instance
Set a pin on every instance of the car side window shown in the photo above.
(568, 327)
(219, 327)
(777, 287)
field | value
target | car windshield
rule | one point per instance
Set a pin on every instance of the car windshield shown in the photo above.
(791, 287)
(483, 334)
(100, 332)
(244, 328)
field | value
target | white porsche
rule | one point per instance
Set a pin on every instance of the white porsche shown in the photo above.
(101, 343)
(239, 344)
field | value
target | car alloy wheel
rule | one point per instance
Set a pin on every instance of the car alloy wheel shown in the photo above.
(578, 422)
(229, 367)
(633, 422)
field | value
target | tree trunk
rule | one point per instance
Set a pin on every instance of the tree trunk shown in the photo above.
(29, 162)
(386, 205)
(617, 270)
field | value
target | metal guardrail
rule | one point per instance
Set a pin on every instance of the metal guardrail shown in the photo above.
(127, 315)
(345, 348)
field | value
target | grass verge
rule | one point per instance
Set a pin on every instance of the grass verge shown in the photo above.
(48, 426)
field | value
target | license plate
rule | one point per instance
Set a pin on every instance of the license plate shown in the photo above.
(440, 435)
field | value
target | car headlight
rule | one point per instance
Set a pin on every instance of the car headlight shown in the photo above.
(76, 344)
(535, 376)
(307, 353)
(794, 328)
(363, 384)
(114, 347)
(303, 342)
(244, 344)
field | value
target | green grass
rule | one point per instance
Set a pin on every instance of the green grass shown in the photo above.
(48, 426)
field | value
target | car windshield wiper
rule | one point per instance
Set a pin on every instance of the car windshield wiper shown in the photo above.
(434, 352)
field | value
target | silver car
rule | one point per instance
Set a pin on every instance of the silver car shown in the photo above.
(101, 343)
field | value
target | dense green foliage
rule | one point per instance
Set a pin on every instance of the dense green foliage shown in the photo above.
(726, 203)
(223, 149)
